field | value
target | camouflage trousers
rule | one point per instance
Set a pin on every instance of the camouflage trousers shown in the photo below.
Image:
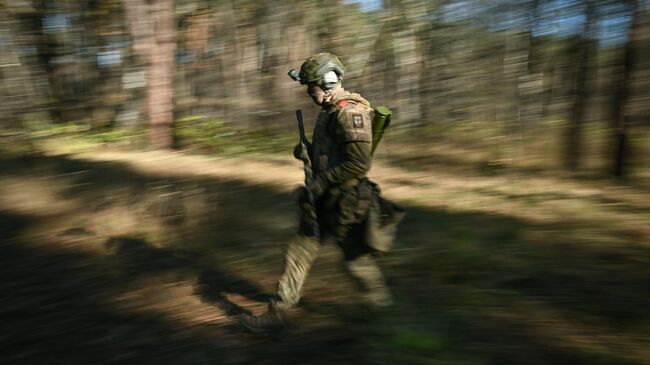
(359, 263)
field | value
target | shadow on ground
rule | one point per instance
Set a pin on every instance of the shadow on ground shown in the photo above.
(470, 288)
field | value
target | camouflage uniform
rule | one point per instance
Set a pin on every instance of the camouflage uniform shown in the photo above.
(349, 208)
(340, 155)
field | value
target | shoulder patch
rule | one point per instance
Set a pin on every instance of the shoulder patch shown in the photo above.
(357, 120)
(353, 125)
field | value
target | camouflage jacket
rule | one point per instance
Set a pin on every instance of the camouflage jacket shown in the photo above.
(341, 158)
(342, 142)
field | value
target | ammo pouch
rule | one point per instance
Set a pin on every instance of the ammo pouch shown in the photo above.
(354, 203)
(360, 204)
(381, 221)
(378, 216)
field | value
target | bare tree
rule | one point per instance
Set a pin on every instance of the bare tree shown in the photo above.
(584, 49)
(153, 32)
(621, 119)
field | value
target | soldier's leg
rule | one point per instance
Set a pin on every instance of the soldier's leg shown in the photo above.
(362, 267)
(301, 253)
(366, 272)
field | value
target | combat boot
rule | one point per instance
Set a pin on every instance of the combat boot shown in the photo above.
(379, 298)
(273, 321)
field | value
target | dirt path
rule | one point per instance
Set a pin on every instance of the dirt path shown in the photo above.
(152, 253)
(539, 200)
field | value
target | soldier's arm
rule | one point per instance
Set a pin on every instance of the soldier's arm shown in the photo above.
(354, 137)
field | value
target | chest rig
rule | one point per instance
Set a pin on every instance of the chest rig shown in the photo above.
(326, 140)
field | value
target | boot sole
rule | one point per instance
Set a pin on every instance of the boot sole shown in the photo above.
(273, 332)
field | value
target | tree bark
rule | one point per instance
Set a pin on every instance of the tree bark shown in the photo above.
(153, 31)
(584, 47)
(619, 105)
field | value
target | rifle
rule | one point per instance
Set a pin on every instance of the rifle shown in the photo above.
(309, 175)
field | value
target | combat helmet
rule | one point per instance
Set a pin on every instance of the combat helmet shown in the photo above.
(323, 69)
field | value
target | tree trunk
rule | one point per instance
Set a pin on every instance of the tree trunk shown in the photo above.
(584, 49)
(619, 105)
(160, 92)
(153, 31)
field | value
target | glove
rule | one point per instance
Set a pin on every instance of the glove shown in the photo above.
(297, 151)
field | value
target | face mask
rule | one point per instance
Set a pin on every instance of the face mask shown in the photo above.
(316, 93)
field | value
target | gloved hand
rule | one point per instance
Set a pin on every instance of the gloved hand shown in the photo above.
(297, 151)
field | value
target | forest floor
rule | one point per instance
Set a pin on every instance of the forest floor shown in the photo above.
(146, 257)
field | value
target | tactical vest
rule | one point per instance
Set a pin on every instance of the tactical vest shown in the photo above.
(325, 142)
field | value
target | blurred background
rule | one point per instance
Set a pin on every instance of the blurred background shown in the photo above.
(545, 84)
(146, 179)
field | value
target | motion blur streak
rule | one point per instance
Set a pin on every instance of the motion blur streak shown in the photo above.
(147, 179)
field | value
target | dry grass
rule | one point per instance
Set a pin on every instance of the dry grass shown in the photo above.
(502, 267)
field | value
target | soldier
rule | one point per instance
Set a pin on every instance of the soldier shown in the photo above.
(340, 155)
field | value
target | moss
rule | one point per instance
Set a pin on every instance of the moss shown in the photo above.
(419, 341)
(218, 136)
